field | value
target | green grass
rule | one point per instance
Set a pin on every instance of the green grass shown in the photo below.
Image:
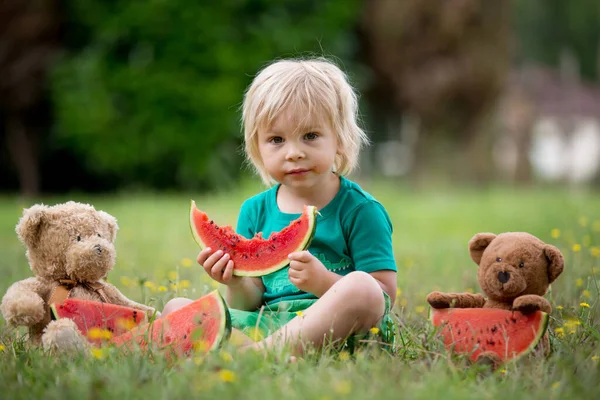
(432, 228)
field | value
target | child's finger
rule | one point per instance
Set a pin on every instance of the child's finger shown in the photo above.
(293, 273)
(228, 274)
(303, 256)
(296, 265)
(219, 267)
(214, 257)
(203, 255)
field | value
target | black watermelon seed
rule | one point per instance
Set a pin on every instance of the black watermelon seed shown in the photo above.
(494, 329)
(211, 222)
(514, 320)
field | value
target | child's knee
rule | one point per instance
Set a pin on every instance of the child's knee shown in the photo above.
(175, 304)
(364, 295)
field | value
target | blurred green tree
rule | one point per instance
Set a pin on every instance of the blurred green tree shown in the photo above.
(150, 91)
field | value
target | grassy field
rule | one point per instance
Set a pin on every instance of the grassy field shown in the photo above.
(432, 228)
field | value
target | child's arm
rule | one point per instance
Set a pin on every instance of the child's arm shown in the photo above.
(388, 281)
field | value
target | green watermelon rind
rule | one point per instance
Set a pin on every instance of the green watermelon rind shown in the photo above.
(225, 326)
(312, 221)
(542, 328)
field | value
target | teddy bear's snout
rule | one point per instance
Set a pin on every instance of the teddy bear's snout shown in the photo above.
(98, 248)
(503, 276)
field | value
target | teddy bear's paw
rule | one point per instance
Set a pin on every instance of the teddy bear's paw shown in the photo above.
(528, 304)
(62, 336)
(24, 310)
(439, 300)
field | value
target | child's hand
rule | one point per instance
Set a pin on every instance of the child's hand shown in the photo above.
(306, 272)
(218, 266)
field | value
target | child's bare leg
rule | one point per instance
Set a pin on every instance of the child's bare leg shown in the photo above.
(353, 304)
(238, 338)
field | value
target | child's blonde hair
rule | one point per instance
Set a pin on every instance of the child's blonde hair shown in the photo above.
(314, 88)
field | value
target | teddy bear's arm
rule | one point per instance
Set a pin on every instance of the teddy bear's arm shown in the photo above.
(530, 303)
(456, 300)
(23, 303)
(116, 297)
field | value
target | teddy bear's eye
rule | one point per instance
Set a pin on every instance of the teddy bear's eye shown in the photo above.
(99, 235)
(521, 265)
(498, 259)
(78, 238)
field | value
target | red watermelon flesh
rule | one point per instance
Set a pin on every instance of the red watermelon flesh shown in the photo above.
(509, 334)
(201, 325)
(257, 256)
(88, 314)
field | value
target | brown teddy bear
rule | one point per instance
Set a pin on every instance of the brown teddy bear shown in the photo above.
(515, 271)
(70, 248)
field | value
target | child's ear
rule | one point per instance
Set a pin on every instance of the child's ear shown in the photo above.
(28, 228)
(478, 244)
(112, 224)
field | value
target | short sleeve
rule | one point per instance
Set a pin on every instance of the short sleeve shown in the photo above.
(369, 238)
(246, 225)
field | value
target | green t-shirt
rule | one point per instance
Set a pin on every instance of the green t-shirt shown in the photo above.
(354, 233)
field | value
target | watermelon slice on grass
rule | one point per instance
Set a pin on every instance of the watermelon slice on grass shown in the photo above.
(94, 319)
(202, 325)
(472, 331)
(256, 256)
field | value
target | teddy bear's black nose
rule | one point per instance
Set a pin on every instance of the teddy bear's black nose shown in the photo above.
(503, 277)
(98, 248)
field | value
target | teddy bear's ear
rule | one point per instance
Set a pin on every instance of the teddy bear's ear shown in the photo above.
(556, 262)
(112, 224)
(29, 225)
(478, 244)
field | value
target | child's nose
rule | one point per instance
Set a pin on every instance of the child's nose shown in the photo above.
(294, 152)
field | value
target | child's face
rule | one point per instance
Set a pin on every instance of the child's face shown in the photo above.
(297, 152)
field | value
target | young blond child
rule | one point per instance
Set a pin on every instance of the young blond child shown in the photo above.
(301, 136)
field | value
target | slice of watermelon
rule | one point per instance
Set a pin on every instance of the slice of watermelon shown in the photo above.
(88, 314)
(256, 256)
(201, 325)
(509, 334)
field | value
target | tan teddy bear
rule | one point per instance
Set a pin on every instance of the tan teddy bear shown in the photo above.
(515, 271)
(70, 248)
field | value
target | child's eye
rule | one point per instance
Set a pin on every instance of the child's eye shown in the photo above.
(311, 136)
(276, 140)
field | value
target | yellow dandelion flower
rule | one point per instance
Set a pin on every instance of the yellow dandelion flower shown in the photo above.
(398, 292)
(583, 221)
(343, 387)
(200, 345)
(225, 356)
(185, 283)
(173, 287)
(584, 305)
(595, 251)
(503, 371)
(572, 332)
(559, 307)
(125, 323)
(555, 233)
(595, 358)
(186, 262)
(162, 288)
(560, 332)
(97, 353)
(469, 290)
(555, 385)
(374, 330)
(214, 284)
(2, 347)
(198, 360)
(344, 356)
(227, 375)
(173, 275)
(586, 293)
(579, 282)
(576, 247)
(596, 226)
(97, 333)
(150, 285)
(125, 281)
(403, 302)
(300, 313)
(419, 309)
